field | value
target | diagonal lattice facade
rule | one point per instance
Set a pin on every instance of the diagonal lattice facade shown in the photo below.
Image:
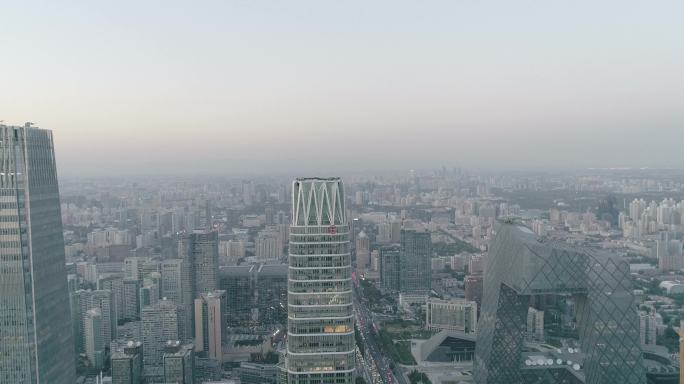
(519, 266)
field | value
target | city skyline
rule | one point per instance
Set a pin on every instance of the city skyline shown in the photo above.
(319, 192)
(521, 85)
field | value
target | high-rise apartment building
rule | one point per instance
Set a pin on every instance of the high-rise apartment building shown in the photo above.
(210, 324)
(36, 340)
(320, 345)
(415, 254)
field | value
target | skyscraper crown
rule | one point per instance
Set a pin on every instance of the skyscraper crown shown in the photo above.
(318, 201)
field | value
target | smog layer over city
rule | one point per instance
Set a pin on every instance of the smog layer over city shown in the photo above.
(318, 192)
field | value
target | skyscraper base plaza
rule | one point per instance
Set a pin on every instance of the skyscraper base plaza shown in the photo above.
(307, 282)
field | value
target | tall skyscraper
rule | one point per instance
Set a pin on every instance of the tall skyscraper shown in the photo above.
(320, 345)
(210, 324)
(520, 267)
(416, 268)
(36, 341)
(200, 247)
(176, 286)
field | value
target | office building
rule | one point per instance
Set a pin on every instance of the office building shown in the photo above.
(131, 299)
(94, 344)
(520, 267)
(267, 245)
(159, 324)
(210, 324)
(133, 267)
(200, 248)
(415, 274)
(390, 261)
(114, 282)
(669, 253)
(251, 373)
(177, 287)
(535, 324)
(127, 364)
(178, 363)
(451, 315)
(238, 282)
(256, 294)
(648, 328)
(37, 341)
(103, 301)
(320, 344)
(472, 286)
(362, 250)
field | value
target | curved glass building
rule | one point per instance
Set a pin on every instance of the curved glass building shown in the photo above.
(320, 344)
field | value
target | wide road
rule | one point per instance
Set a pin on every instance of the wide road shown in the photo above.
(368, 330)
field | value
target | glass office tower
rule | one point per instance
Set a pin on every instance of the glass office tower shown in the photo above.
(36, 341)
(320, 345)
(520, 266)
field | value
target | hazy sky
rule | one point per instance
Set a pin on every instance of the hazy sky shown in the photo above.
(324, 86)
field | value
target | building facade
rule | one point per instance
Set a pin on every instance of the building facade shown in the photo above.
(127, 364)
(200, 247)
(159, 324)
(320, 345)
(390, 261)
(210, 324)
(256, 294)
(94, 344)
(179, 363)
(452, 315)
(415, 271)
(36, 340)
(520, 267)
(177, 287)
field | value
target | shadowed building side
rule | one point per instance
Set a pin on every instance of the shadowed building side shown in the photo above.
(520, 266)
